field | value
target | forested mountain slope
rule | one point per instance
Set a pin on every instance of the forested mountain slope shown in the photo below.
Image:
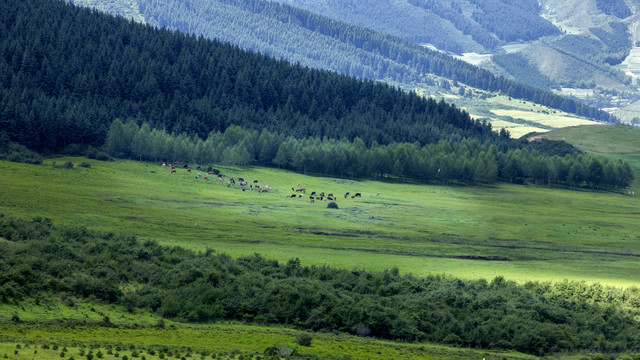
(68, 72)
(320, 42)
(550, 44)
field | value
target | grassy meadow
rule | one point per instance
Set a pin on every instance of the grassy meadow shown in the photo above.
(519, 232)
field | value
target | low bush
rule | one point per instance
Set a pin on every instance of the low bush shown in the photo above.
(304, 339)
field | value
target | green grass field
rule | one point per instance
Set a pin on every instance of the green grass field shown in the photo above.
(46, 330)
(522, 233)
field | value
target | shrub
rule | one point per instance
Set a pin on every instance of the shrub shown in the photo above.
(103, 156)
(452, 339)
(304, 339)
(363, 331)
(332, 205)
(85, 164)
(19, 153)
(68, 165)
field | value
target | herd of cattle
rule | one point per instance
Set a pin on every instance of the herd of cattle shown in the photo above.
(240, 183)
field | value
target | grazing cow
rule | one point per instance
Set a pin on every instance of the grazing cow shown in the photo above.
(198, 168)
(200, 175)
(312, 200)
(377, 194)
(220, 179)
(330, 198)
(185, 166)
(294, 196)
(300, 196)
(313, 193)
(322, 194)
(189, 170)
(175, 163)
(172, 171)
(210, 172)
(345, 195)
(239, 178)
(302, 190)
(164, 165)
(255, 181)
(353, 196)
(358, 195)
(330, 195)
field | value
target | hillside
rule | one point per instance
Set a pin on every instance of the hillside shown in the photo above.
(319, 42)
(617, 142)
(570, 44)
(87, 69)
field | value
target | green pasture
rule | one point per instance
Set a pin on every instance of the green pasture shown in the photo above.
(519, 232)
(216, 341)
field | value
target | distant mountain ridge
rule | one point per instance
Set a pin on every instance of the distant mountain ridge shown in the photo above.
(567, 44)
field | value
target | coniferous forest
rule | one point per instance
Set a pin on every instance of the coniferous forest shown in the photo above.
(67, 72)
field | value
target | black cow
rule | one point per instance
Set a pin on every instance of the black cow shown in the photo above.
(358, 195)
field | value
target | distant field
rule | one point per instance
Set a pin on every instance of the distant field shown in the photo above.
(519, 117)
(522, 233)
(629, 112)
(550, 120)
(516, 130)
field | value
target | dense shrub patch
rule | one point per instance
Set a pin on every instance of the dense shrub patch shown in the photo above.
(46, 260)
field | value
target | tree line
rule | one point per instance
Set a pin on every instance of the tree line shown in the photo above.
(463, 161)
(46, 262)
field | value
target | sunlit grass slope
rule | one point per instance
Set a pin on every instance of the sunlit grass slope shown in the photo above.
(614, 141)
(522, 233)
